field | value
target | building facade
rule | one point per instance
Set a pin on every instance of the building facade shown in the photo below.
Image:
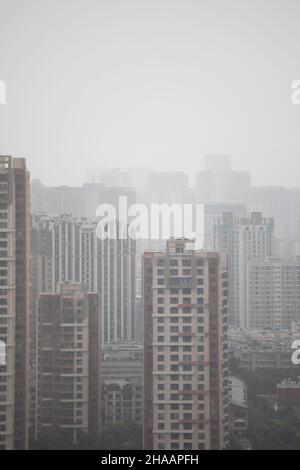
(14, 302)
(219, 183)
(288, 393)
(185, 348)
(65, 248)
(242, 239)
(273, 294)
(68, 401)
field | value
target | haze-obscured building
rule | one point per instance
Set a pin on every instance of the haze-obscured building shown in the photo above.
(273, 294)
(242, 239)
(219, 183)
(238, 411)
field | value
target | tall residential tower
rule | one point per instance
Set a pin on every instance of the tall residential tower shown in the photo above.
(185, 355)
(68, 369)
(14, 302)
(243, 240)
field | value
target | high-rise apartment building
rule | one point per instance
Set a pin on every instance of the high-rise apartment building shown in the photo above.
(68, 399)
(109, 177)
(242, 239)
(277, 203)
(65, 248)
(62, 249)
(185, 348)
(273, 293)
(14, 302)
(58, 200)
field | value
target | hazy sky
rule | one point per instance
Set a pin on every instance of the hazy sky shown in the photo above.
(150, 82)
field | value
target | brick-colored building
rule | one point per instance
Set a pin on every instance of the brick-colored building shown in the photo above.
(288, 393)
(185, 355)
(68, 367)
(14, 302)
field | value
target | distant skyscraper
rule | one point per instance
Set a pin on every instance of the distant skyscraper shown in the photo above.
(68, 374)
(81, 201)
(275, 202)
(295, 213)
(14, 302)
(185, 348)
(139, 178)
(214, 210)
(219, 183)
(58, 200)
(287, 249)
(169, 187)
(217, 162)
(109, 177)
(242, 239)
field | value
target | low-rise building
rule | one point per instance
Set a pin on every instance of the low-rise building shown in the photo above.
(238, 410)
(288, 393)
